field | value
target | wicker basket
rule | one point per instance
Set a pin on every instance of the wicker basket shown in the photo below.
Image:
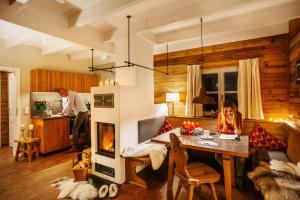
(80, 174)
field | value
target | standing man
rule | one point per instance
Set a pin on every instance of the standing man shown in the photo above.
(76, 104)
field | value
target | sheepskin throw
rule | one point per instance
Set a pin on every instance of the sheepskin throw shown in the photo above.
(157, 153)
(277, 180)
(75, 190)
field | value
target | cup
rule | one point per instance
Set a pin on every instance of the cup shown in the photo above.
(206, 133)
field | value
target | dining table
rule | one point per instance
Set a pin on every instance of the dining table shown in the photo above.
(229, 148)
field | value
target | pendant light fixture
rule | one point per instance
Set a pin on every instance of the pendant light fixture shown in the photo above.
(203, 98)
(127, 62)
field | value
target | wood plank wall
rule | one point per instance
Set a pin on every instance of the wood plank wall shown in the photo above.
(4, 109)
(273, 53)
(294, 55)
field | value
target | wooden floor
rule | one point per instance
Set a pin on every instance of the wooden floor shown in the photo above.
(21, 180)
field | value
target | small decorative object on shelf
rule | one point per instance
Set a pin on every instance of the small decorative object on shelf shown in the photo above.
(22, 127)
(30, 129)
(106, 84)
(112, 82)
(190, 128)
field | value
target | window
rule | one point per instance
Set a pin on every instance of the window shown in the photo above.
(221, 84)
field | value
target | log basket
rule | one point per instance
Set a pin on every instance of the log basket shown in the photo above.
(80, 174)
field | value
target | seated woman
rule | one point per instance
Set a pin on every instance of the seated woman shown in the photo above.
(230, 122)
(229, 119)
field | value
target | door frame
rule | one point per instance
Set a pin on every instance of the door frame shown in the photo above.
(16, 72)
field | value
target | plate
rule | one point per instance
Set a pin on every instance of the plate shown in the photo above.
(206, 137)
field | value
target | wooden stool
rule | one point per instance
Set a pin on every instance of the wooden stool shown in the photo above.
(28, 146)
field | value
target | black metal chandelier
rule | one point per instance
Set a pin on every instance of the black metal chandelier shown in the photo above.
(127, 62)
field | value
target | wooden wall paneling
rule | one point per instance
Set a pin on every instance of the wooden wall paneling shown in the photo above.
(294, 56)
(4, 109)
(273, 58)
(209, 124)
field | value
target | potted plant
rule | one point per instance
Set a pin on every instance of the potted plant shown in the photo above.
(41, 107)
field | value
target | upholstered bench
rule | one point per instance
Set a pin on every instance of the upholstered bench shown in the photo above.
(287, 134)
(147, 129)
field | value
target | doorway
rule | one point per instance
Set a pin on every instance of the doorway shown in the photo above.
(13, 103)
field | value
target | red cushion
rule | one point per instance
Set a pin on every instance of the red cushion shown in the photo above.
(165, 128)
(262, 139)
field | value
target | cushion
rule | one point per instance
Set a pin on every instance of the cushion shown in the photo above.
(271, 155)
(165, 127)
(148, 128)
(262, 139)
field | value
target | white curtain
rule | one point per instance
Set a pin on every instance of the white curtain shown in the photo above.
(249, 93)
(193, 89)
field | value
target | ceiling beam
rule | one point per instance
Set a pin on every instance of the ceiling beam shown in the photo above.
(99, 10)
(209, 10)
(267, 17)
(85, 54)
(52, 23)
(15, 2)
(17, 39)
(49, 49)
(227, 37)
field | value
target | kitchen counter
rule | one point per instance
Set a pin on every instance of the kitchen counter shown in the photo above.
(51, 117)
(54, 132)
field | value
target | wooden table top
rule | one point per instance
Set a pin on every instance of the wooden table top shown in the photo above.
(229, 147)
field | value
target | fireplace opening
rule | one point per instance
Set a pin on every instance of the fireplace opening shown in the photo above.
(106, 139)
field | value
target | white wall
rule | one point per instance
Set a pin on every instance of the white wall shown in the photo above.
(137, 102)
(27, 58)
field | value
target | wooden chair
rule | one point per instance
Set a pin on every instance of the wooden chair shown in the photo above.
(191, 175)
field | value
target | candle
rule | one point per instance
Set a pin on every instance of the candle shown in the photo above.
(30, 127)
(22, 127)
(193, 125)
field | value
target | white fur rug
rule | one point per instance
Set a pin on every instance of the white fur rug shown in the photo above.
(75, 190)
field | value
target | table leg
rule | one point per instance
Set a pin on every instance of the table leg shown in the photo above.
(29, 151)
(232, 165)
(37, 149)
(228, 167)
(17, 151)
(170, 176)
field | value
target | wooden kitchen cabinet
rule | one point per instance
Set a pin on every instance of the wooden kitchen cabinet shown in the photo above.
(54, 133)
(49, 81)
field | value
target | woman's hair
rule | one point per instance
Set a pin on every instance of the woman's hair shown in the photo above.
(236, 116)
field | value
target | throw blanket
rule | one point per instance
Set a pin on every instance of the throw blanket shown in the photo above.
(278, 180)
(157, 153)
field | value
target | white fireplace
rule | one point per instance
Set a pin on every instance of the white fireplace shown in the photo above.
(115, 112)
(105, 134)
(133, 100)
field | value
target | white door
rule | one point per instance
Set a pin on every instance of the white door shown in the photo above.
(12, 101)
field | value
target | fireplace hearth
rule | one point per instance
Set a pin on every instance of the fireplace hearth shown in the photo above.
(106, 139)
